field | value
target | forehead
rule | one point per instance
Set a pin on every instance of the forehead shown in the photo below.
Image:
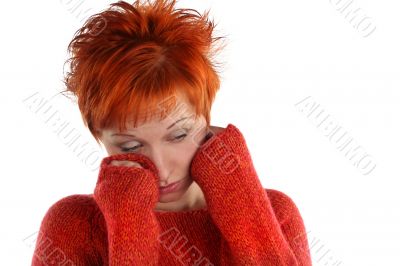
(182, 110)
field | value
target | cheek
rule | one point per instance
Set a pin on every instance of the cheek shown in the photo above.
(112, 150)
(185, 152)
(183, 156)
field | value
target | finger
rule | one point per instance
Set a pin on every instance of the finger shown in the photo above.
(125, 163)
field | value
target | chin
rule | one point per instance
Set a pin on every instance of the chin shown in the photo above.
(175, 196)
(170, 197)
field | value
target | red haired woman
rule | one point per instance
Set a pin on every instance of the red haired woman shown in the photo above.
(173, 190)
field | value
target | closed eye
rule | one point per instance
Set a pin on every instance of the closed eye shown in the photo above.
(179, 138)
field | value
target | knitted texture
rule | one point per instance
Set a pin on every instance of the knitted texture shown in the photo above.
(242, 224)
(126, 196)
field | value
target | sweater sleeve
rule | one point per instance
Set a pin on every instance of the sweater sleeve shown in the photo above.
(252, 234)
(127, 197)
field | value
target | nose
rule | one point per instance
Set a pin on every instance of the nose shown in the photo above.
(163, 170)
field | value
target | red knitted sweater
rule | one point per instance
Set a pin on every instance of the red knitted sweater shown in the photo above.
(243, 223)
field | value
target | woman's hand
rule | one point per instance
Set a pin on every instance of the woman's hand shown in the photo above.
(126, 193)
(124, 186)
(225, 151)
(125, 163)
(239, 205)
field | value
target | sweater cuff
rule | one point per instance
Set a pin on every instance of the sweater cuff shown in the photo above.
(142, 181)
(224, 162)
(143, 160)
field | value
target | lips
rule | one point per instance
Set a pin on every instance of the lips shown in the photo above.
(167, 185)
(171, 187)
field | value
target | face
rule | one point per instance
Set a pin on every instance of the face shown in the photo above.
(170, 143)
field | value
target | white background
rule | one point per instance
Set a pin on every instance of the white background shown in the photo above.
(278, 54)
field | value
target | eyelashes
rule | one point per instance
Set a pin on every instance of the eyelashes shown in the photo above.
(178, 138)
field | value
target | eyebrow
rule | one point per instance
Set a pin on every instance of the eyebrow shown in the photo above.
(183, 118)
(123, 134)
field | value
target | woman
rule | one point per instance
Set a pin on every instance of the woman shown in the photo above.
(173, 190)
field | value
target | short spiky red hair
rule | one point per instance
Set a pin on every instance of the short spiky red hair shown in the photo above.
(130, 57)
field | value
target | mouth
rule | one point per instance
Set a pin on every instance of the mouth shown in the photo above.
(173, 187)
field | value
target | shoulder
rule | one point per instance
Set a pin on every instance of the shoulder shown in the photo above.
(71, 224)
(283, 205)
(73, 211)
(73, 206)
(70, 211)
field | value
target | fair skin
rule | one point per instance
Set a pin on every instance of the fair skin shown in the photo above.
(171, 147)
